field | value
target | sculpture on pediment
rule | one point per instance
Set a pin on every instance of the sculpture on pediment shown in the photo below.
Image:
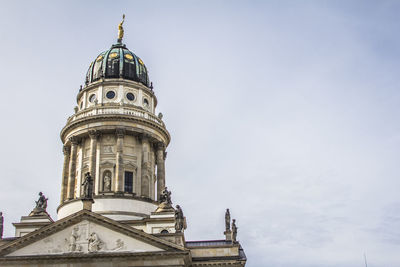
(119, 245)
(88, 186)
(95, 243)
(227, 220)
(42, 201)
(165, 196)
(72, 246)
(165, 201)
(234, 230)
(180, 220)
(41, 205)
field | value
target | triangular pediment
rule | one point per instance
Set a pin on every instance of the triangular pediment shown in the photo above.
(86, 232)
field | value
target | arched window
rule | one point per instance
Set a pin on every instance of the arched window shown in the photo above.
(128, 182)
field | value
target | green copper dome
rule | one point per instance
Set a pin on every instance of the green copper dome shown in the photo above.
(118, 62)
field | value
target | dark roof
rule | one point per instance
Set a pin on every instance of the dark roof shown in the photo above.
(118, 62)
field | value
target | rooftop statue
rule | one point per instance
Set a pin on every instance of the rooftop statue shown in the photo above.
(166, 196)
(227, 220)
(121, 29)
(165, 201)
(41, 205)
(234, 230)
(180, 220)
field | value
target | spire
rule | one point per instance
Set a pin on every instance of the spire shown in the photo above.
(121, 30)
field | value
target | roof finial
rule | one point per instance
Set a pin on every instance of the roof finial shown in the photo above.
(121, 30)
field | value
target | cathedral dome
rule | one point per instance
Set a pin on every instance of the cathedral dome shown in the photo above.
(117, 62)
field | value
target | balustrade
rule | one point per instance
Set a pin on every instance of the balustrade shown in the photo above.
(123, 110)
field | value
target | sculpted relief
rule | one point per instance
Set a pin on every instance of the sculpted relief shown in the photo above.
(84, 237)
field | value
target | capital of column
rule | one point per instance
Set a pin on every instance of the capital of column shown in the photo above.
(94, 134)
(143, 136)
(73, 140)
(160, 146)
(66, 150)
(120, 132)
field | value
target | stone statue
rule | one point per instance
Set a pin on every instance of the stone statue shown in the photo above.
(1, 224)
(119, 245)
(72, 240)
(107, 183)
(88, 186)
(179, 220)
(165, 196)
(121, 29)
(234, 230)
(165, 201)
(95, 243)
(227, 220)
(42, 202)
(41, 205)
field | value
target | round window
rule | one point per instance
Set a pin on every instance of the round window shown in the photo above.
(130, 96)
(110, 94)
(92, 98)
(145, 102)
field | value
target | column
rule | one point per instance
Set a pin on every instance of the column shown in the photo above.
(72, 168)
(160, 168)
(119, 170)
(144, 165)
(64, 181)
(98, 179)
(92, 156)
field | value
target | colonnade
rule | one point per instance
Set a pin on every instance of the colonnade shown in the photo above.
(69, 175)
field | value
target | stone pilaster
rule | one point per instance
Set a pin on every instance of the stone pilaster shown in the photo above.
(65, 172)
(119, 170)
(145, 166)
(72, 167)
(160, 168)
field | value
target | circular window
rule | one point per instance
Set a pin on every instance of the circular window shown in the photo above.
(145, 102)
(92, 98)
(110, 94)
(164, 231)
(130, 96)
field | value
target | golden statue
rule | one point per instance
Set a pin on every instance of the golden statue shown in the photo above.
(121, 29)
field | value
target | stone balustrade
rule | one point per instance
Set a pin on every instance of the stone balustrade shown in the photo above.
(120, 110)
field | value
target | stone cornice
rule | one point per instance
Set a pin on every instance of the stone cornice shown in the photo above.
(114, 117)
(108, 255)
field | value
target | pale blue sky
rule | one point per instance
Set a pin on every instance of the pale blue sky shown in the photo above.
(284, 111)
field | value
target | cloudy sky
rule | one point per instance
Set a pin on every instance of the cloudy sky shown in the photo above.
(287, 112)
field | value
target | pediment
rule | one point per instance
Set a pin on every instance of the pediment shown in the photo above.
(86, 233)
(107, 164)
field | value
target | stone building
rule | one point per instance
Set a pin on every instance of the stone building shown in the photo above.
(115, 208)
